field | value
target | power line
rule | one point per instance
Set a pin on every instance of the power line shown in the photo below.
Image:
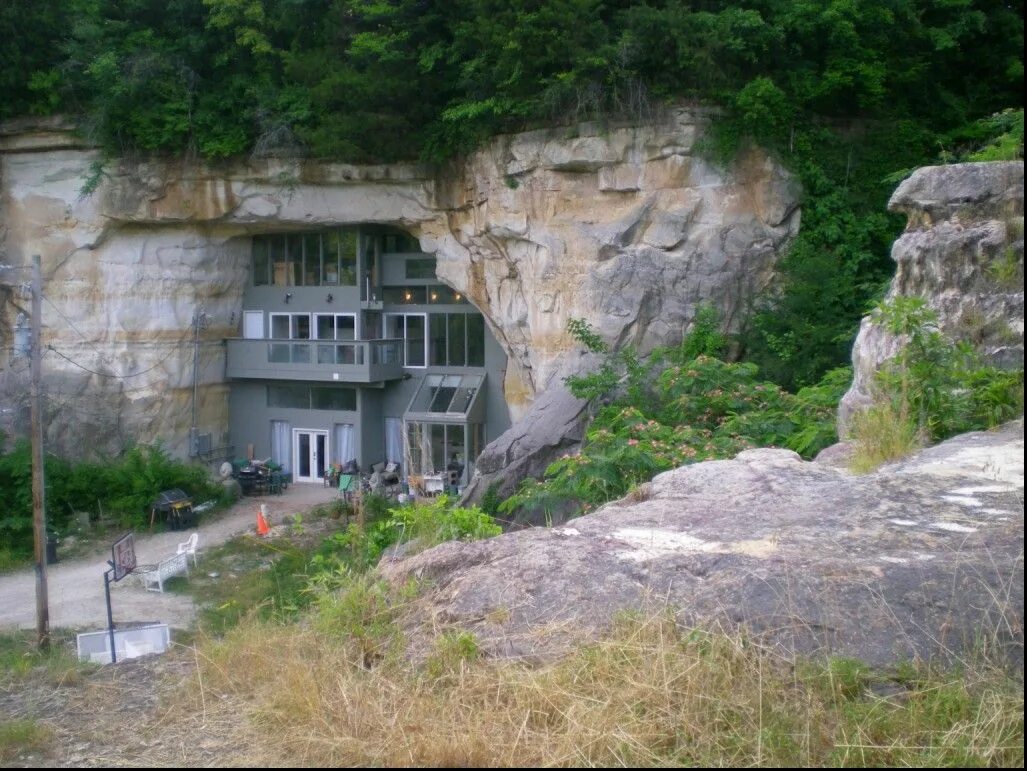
(72, 325)
(68, 359)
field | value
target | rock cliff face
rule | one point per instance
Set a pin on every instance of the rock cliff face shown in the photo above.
(625, 226)
(962, 251)
(923, 558)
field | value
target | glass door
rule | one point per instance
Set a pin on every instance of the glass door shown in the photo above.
(310, 455)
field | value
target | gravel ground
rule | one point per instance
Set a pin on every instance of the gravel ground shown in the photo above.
(146, 712)
(76, 587)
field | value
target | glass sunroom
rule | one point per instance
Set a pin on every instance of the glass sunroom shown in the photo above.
(444, 426)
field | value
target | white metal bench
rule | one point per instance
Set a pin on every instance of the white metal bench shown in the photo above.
(154, 576)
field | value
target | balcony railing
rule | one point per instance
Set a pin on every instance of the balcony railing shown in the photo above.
(351, 361)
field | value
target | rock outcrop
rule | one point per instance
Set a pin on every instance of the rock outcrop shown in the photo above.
(923, 559)
(962, 251)
(626, 227)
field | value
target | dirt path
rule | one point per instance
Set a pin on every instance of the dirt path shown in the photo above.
(76, 587)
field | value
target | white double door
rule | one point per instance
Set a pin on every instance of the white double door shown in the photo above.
(309, 454)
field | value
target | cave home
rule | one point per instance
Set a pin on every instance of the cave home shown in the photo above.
(353, 351)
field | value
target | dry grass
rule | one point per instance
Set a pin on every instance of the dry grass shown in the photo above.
(648, 695)
(882, 434)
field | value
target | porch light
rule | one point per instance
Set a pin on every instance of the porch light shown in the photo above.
(407, 296)
(288, 296)
(329, 298)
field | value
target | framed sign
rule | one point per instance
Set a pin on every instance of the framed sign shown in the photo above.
(124, 553)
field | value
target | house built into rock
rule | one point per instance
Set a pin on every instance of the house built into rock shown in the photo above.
(352, 350)
(307, 310)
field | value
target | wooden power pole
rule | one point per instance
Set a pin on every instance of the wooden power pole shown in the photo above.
(38, 487)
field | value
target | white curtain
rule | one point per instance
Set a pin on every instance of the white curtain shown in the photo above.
(394, 440)
(342, 443)
(281, 444)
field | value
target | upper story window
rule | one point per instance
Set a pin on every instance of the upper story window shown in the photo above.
(412, 329)
(290, 326)
(456, 340)
(327, 258)
(420, 268)
(432, 294)
(399, 243)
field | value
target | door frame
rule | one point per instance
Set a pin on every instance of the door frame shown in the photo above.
(313, 432)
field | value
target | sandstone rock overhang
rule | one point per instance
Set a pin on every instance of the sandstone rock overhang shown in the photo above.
(626, 226)
(922, 559)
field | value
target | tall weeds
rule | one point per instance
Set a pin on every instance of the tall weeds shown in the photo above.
(648, 695)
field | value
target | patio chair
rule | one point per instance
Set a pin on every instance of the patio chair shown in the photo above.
(189, 547)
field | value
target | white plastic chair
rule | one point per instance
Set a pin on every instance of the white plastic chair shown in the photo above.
(189, 547)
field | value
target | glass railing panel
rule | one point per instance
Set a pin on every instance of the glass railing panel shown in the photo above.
(278, 353)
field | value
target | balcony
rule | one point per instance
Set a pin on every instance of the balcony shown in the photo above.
(343, 361)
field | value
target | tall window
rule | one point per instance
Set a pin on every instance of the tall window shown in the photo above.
(456, 340)
(412, 329)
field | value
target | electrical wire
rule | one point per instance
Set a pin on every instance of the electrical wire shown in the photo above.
(68, 359)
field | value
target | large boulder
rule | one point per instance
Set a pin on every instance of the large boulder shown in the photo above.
(923, 558)
(962, 252)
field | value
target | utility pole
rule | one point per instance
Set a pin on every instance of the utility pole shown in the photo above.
(38, 486)
(199, 322)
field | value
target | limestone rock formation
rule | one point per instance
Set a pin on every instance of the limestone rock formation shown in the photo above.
(923, 558)
(626, 227)
(962, 251)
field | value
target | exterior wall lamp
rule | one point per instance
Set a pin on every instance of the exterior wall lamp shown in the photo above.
(288, 296)
(329, 298)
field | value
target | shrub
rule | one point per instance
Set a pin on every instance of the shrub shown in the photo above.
(682, 405)
(124, 487)
(933, 388)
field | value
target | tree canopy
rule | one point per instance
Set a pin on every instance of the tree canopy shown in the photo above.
(846, 92)
(385, 79)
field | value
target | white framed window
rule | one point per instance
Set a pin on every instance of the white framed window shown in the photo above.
(290, 326)
(412, 328)
(335, 326)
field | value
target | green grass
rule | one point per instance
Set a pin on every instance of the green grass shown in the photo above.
(255, 576)
(20, 658)
(21, 736)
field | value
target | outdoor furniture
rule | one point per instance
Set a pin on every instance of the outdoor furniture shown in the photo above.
(435, 483)
(154, 576)
(332, 475)
(349, 484)
(174, 506)
(189, 547)
(253, 479)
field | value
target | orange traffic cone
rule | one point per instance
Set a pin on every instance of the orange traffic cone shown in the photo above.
(262, 526)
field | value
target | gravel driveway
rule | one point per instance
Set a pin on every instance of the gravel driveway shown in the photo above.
(76, 587)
